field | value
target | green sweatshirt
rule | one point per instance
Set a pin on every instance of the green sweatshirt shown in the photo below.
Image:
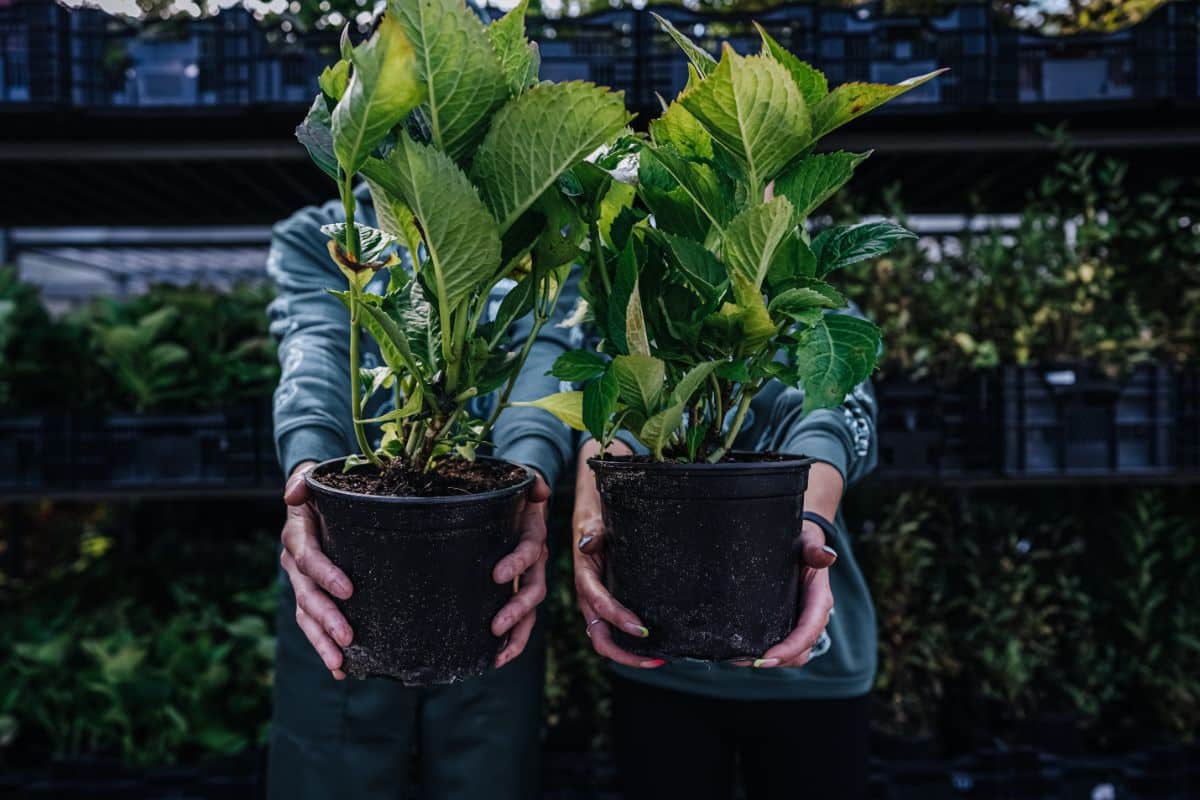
(843, 661)
(312, 403)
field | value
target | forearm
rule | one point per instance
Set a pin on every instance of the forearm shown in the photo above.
(824, 492)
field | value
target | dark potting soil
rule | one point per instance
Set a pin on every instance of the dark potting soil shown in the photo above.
(448, 478)
(728, 458)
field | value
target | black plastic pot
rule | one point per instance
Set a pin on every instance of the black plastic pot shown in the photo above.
(704, 553)
(421, 567)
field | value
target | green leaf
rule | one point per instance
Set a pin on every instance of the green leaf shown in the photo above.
(851, 100)
(635, 323)
(334, 79)
(537, 137)
(674, 211)
(757, 325)
(383, 88)
(518, 57)
(691, 381)
(809, 80)
(677, 128)
(395, 218)
(578, 365)
(600, 402)
(657, 430)
(833, 357)
(842, 245)
(393, 344)
(752, 107)
(463, 81)
(812, 181)
(641, 380)
(699, 181)
(701, 270)
(701, 59)
(812, 294)
(754, 237)
(566, 406)
(372, 242)
(461, 238)
(316, 134)
(625, 285)
(518, 302)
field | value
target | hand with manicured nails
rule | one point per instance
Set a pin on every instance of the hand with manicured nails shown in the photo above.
(600, 610)
(314, 577)
(823, 495)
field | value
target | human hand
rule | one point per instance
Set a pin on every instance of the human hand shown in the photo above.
(313, 576)
(600, 609)
(526, 564)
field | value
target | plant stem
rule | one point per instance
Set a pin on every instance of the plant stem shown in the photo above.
(360, 432)
(540, 317)
(736, 427)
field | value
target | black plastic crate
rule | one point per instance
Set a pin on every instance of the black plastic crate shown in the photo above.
(933, 428)
(23, 445)
(1073, 420)
(1189, 420)
(167, 451)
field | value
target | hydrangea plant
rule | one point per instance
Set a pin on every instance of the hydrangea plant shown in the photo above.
(704, 282)
(464, 153)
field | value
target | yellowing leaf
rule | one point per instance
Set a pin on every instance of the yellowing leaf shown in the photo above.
(566, 406)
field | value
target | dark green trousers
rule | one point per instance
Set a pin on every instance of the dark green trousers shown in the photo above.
(375, 738)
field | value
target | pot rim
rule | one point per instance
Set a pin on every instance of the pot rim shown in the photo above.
(392, 500)
(623, 463)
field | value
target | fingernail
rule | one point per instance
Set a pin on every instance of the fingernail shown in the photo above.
(652, 663)
(505, 574)
(635, 630)
(343, 588)
(829, 550)
(765, 662)
(344, 636)
(584, 540)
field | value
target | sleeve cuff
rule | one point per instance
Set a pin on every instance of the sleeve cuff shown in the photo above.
(823, 446)
(537, 452)
(308, 444)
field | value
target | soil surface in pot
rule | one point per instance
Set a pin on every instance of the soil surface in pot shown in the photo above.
(449, 478)
(728, 458)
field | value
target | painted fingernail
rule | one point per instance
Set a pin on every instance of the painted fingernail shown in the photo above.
(584, 540)
(635, 630)
(652, 663)
(829, 550)
(765, 662)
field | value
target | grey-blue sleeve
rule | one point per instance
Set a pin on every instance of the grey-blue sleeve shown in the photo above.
(312, 404)
(532, 436)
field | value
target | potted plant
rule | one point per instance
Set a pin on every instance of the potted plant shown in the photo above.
(464, 153)
(704, 286)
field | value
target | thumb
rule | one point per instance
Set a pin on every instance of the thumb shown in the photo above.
(296, 493)
(812, 549)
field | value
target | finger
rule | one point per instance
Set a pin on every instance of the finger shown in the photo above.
(818, 602)
(316, 604)
(330, 655)
(528, 551)
(538, 491)
(602, 643)
(524, 602)
(813, 549)
(603, 604)
(589, 534)
(517, 640)
(295, 492)
(300, 542)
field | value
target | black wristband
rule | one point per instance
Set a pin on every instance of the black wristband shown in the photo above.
(831, 532)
